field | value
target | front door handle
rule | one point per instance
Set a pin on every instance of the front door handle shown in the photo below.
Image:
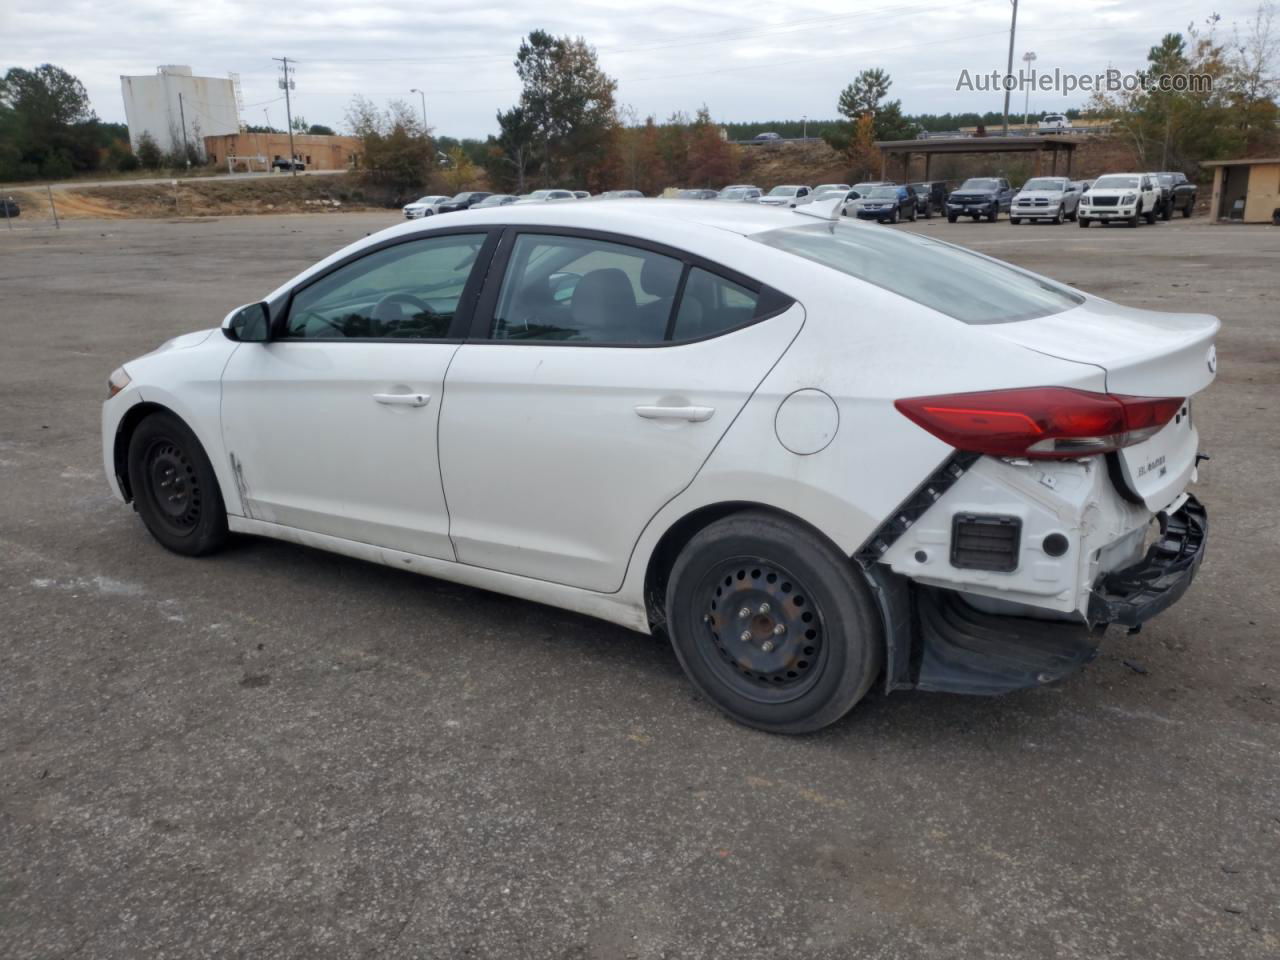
(692, 414)
(403, 399)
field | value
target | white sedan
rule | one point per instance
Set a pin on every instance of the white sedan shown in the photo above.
(424, 206)
(811, 452)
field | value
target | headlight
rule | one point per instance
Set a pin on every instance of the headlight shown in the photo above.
(116, 382)
(1130, 197)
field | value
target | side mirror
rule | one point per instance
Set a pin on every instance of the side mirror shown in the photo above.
(248, 324)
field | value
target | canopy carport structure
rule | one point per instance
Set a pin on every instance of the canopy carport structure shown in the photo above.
(1052, 145)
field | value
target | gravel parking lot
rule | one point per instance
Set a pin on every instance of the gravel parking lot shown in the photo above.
(279, 752)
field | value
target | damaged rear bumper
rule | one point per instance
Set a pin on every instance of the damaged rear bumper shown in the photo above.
(939, 642)
(1131, 596)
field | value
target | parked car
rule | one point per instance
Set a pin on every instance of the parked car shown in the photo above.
(798, 520)
(495, 200)
(9, 207)
(543, 196)
(980, 197)
(1124, 197)
(886, 204)
(741, 194)
(424, 206)
(830, 188)
(622, 195)
(697, 194)
(582, 194)
(768, 137)
(1045, 198)
(284, 163)
(1053, 123)
(788, 195)
(461, 201)
(1182, 193)
(931, 197)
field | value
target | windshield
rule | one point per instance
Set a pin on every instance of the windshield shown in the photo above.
(539, 194)
(1166, 179)
(956, 282)
(882, 193)
(981, 184)
(1045, 183)
(734, 194)
(783, 191)
(1116, 183)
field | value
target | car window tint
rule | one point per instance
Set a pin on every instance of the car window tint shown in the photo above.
(951, 280)
(585, 290)
(711, 305)
(406, 292)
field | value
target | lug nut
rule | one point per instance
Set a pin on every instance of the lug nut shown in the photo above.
(744, 612)
(745, 636)
(779, 630)
(764, 608)
(767, 646)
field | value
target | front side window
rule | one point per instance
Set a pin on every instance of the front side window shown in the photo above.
(951, 280)
(406, 292)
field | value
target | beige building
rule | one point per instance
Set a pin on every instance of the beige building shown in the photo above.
(1246, 190)
(255, 151)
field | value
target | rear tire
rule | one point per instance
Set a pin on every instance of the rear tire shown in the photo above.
(175, 490)
(1152, 214)
(814, 640)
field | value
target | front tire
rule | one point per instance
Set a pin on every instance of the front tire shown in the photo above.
(1059, 217)
(951, 218)
(773, 624)
(1082, 221)
(175, 490)
(1014, 221)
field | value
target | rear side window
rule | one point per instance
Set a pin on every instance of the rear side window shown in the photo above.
(590, 290)
(712, 304)
(951, 280)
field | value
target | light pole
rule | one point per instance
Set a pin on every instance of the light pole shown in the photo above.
(1028, 58)
(804, 119)
(424, 108)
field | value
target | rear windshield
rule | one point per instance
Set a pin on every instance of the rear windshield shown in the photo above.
(951, 280)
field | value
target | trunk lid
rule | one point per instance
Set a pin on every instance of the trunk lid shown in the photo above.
(1145, 354)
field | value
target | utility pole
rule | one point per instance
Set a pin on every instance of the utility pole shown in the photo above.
(286, 84)
(804, 131)
(1028, 58)
(424, 108)
(182, 115)
(1013, 27)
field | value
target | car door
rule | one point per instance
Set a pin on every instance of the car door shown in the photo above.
(331, 424)
(600, 375)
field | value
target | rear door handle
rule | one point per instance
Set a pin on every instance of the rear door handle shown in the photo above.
(403, 399)
(692, 414)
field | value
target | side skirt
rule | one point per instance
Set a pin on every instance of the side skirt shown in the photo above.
(611, 607)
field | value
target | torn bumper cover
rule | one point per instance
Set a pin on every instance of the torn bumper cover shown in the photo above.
(1131, 596)
(939, 642)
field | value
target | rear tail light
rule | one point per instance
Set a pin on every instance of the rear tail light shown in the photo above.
(1040, 422)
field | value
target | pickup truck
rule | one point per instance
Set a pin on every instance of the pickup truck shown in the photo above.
(1045, 198)
(1178, 193)
(1053, 123)
(980, 197)
(1126, 197)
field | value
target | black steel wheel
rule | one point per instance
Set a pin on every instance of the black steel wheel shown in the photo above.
(175, 490)
(773, 624)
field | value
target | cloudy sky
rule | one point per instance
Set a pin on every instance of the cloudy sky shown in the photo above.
(746, 60)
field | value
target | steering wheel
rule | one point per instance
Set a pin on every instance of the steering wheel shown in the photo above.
(401, 297)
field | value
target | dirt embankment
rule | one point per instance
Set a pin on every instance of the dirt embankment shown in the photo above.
(196, 198)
